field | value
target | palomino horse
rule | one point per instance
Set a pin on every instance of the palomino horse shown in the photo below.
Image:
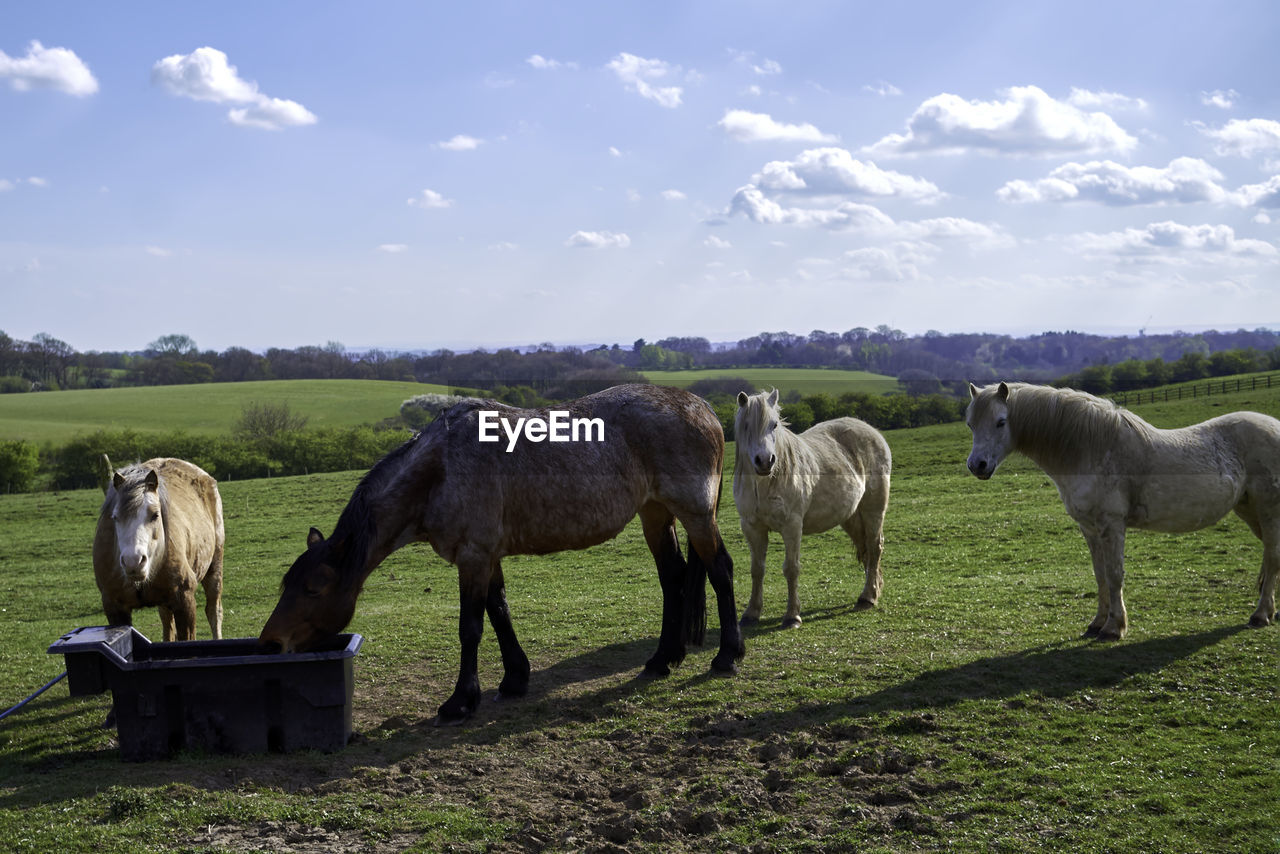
(159, 535)
(834, 473)
(1115, 471)
(658, 451)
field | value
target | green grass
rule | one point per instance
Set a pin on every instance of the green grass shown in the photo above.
(804, 380)
(964, 713)
(202, 409)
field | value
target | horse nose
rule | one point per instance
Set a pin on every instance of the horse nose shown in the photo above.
(978, 466)
(271, 647)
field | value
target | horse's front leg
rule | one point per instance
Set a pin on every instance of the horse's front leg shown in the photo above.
(791, 570)
(757, 537)
(515, 664)
(1106, 548)
(473, 594)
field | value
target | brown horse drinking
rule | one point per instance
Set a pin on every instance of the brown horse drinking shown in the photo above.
(486, 480)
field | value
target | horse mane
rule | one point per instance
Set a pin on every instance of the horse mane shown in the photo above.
(129, 497)
(1056, 425)
(750, 420)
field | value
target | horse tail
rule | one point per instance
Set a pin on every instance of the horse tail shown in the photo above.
(695, 599)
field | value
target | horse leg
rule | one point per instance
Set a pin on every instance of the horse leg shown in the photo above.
(1106, 548)
(706, 547)
(515, 664)
(1269, 534)
(473, 594)
(757, 537)
(791, 570)
(166, 623)
(660, 535)
(866, 532)
(212, 584)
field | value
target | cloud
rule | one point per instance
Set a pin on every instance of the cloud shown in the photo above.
(460, 142)
(834, 171)
(747, 126)
(1174, 243)
(1087, 100)
(1264, 195)
(430, 199)
(157, 252)
(544, 64)
(637, 74)
(882, 88)
(673, 195)
(715, 242)
(5, 185)
(767, 68)
(1243, 137)
(1027, 122)
(598, 240)
(614, 152)
(393, 248)
(1184, 180)
(899, 262)
(205, 75)
(1220, 99)
(56, 68)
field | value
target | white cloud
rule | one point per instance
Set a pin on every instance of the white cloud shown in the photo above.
(1264, 195)
(542, 63)
(898, 262)
(393, 248)
(767, 68)
(673, 195)
(715, 242)
(1087, 100)
(1261, 218)
(614, 152)
(1173, 242)
(37, 182)
(882, 88)
(1244, 137)
(598, 240)
(430, 199)
(834, 171)
(43, 67)
(1220, 99)
(157, 252)
(1027, 122)
(460, 142)
(205, 75)
(5, 185)
(747, 126)
(638, 74)
(1184, 180)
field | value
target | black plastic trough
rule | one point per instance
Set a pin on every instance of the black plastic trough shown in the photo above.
(217, 695)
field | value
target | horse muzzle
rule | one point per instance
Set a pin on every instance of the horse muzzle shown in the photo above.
(764, 467)
(981, 469)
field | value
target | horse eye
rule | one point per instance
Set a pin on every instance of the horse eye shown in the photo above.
(773, 425)
(999, 423)
(155, 514)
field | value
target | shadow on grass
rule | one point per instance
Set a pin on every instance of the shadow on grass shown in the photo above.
(1056, 670)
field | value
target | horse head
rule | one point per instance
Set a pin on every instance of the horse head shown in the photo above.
(755, 430)
(138, 518)
(988, 419)
(314, 603)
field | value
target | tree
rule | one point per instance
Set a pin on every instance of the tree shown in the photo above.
(264, 420)
(173, 345)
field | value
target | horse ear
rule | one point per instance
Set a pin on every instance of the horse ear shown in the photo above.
(742, 398)
(153, 481)
(773, 397)
(1003, 391)
(117, 480)
(314, 537)
(973, 390)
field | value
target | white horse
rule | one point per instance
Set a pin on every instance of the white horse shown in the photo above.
(1115, 471)
(834, 473)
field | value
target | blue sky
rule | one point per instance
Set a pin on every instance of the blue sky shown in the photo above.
(422, 175)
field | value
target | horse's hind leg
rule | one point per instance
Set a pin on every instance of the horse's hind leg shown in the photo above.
(212, 584)
(1267, 530)
(866, 531)
(660, 535)
(706, 548)
(758, 542)
(515, 664)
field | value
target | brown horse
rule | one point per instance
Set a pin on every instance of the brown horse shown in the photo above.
(159, 535)
(486, 480)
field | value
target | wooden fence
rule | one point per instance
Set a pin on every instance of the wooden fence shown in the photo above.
(1227, 386)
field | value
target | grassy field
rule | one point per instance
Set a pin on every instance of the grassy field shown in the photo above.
(803, 380)
(206, 408)
(963, 714)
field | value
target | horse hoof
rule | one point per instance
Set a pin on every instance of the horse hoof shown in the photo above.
(1109, 636)
(864, 605)
(721, 668)
(1091, 632)
(654, 671)
(791, 622)
(449, 720)
(748, 621)
(1257, 621)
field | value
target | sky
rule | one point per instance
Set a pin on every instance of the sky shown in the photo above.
(414, 175)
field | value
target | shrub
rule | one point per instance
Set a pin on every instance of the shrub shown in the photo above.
(19, 462)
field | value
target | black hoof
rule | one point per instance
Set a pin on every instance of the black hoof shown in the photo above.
(863, 605)
(1091, 632)
(654, 671)
(748, 621)
(724, 666)
(791, 622)
(1256, 622)
(441, 720)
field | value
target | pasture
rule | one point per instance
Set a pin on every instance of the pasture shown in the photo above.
(208, 408)
(963, 713)
(806, 381)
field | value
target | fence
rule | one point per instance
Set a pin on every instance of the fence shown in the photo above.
(1133, 398)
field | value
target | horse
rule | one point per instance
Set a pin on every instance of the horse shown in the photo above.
(160, 534)
(659, 452)
(1115, 471)
(834, 473)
